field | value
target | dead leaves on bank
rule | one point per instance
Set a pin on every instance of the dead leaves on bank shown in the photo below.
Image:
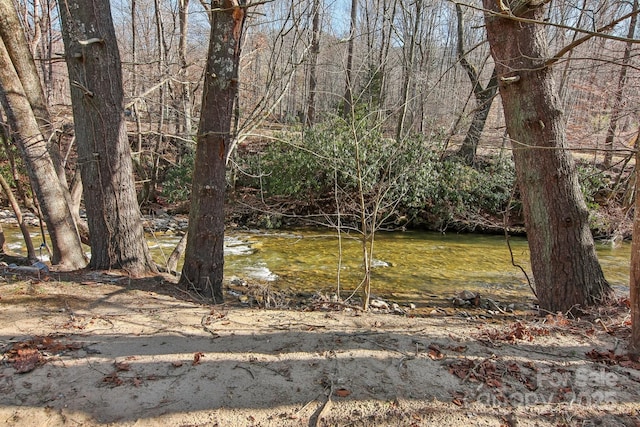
(518, 331)
(27, 355)
(492, 372)
(609, 357)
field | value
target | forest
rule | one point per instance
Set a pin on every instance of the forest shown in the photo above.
(510, 117)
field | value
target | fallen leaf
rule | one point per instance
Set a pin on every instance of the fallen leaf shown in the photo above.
(177, 363)
(27, 360)
(196, 358)
(112, 379)
(435, 354)
(492, 382)
(342, 392)
(122, 366)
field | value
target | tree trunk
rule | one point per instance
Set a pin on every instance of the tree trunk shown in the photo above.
(484, 99)
(618, 101)
(183, 72)
(634, 279)
(563, 257)
(16, 44)
(104, 155)
(31, 251)
(407, 71)
(347, 111)
(313, 64)
(18, 48)
(176, 254)
(204, 256)
(67, 250)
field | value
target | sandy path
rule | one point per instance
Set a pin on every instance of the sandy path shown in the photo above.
(120, 354)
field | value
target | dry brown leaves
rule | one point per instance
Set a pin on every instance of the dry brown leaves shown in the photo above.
(492, 372)
(609, 357)
(29, 354)
(196, 358)
(518, 331)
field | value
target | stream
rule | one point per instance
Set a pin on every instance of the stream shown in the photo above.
(411, 265)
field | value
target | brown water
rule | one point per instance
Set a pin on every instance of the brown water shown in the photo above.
(415, 264)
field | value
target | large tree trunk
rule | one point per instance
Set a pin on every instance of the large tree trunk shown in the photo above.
(67, 250)
(18, 48)
(116, 234)
(204, 257)
(563, 257)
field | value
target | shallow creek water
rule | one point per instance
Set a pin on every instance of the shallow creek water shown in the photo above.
(406, 264)
(411, 265)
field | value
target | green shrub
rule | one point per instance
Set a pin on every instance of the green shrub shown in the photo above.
(408, 176)
(592, 181)
(176, 186)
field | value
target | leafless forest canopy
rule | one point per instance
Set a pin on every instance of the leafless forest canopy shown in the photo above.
(398, 44)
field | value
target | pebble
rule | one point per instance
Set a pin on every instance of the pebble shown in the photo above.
(379, 304)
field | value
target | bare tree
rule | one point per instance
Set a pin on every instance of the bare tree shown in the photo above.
(407, 69)
(67, 250)
(183, 73)
(618, 100)
(484, 98)
(348, 94)
(104, 155)
(563, 257)
(31, 252)
(204, 256)
(634, 276)
(313, 63)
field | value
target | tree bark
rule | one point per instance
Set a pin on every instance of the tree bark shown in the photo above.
(18, 48)
(563, 257)
(204, 256)
(407, 71)
(313, 64)
(67, 250)
(634, 279)
(12, 34)
(104, 155)
(348, 92)
(183, 72)
(484, 99)
(618, 100)
(31, 250)
(634, 276)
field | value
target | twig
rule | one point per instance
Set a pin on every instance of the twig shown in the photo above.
(322, 409)
(246, 369)
(204, 326)
(496, 306)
